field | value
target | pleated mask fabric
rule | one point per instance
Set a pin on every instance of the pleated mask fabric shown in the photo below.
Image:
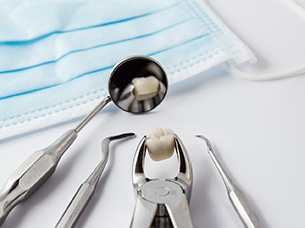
(56, 56)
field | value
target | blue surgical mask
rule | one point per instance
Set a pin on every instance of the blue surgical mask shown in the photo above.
(56, 69)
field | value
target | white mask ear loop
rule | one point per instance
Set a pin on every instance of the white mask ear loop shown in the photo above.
(236, 72)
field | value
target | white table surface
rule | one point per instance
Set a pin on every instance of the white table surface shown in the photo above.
(257, 128)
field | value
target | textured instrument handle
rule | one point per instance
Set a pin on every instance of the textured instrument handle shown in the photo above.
(76, 206)
(33, 173)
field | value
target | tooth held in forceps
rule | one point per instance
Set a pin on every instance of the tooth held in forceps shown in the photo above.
(160, 144)
(145, 87)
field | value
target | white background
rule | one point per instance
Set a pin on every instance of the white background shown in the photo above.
(257, 128)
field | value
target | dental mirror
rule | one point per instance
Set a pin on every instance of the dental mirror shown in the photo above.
(137, 84)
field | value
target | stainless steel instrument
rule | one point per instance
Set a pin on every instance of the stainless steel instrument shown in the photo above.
(86, 190)
(162, 202)
(236, 195)
(42, 164)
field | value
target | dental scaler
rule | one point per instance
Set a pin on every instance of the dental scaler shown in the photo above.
(86, 190)
(237, 197)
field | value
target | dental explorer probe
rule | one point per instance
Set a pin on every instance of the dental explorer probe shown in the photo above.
(237, 197)
(40, 166)
(86, 190)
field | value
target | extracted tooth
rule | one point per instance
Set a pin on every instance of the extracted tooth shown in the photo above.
(145, 87)
(160, 144)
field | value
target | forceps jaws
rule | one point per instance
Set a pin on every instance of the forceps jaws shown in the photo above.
(184, 176)
(138, 176)
(164, 202)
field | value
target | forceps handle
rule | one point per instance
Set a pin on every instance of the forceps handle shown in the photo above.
(33, 173)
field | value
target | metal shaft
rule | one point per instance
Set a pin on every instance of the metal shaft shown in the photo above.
(87, 119)
(39, 167)
(237, 198)
(86, 190)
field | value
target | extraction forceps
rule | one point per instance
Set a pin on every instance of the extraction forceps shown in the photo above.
(162, 202)
(86, 190)
(237, 198)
